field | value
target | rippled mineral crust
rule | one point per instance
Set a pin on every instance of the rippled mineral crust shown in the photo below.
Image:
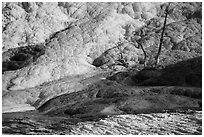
(140, 124)
(144, 124)
(78, 68)
(73, 35)
(70, 38)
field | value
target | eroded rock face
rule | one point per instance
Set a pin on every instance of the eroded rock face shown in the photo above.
(44, 42)
(30, 23)
(183, 32)
(68, 52)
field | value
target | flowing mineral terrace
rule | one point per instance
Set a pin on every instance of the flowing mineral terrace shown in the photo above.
(77, 68)
(176, 123)
(144, 124)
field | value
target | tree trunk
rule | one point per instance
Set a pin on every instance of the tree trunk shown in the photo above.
(162, 35)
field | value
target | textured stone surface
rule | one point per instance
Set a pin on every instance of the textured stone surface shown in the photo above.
(177, 123)
(143, 124)
(74, 60)
(73, 35)
(30, 23)
(74, 47)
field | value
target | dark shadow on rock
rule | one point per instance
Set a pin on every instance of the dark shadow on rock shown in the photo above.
(185, 73)
(99, 61)
(20, 57)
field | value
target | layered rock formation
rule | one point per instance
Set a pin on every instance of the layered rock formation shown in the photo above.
(69, 37)
(79, 67)
(63, 58)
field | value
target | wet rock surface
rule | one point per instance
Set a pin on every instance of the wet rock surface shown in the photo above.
(171, 123)
(143, 124)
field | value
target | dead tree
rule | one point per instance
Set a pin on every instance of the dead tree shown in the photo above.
(133, 41)
(140, 45)
(162, 35)
(145, 55)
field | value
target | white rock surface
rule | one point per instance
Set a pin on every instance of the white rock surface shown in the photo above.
(73, 35)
